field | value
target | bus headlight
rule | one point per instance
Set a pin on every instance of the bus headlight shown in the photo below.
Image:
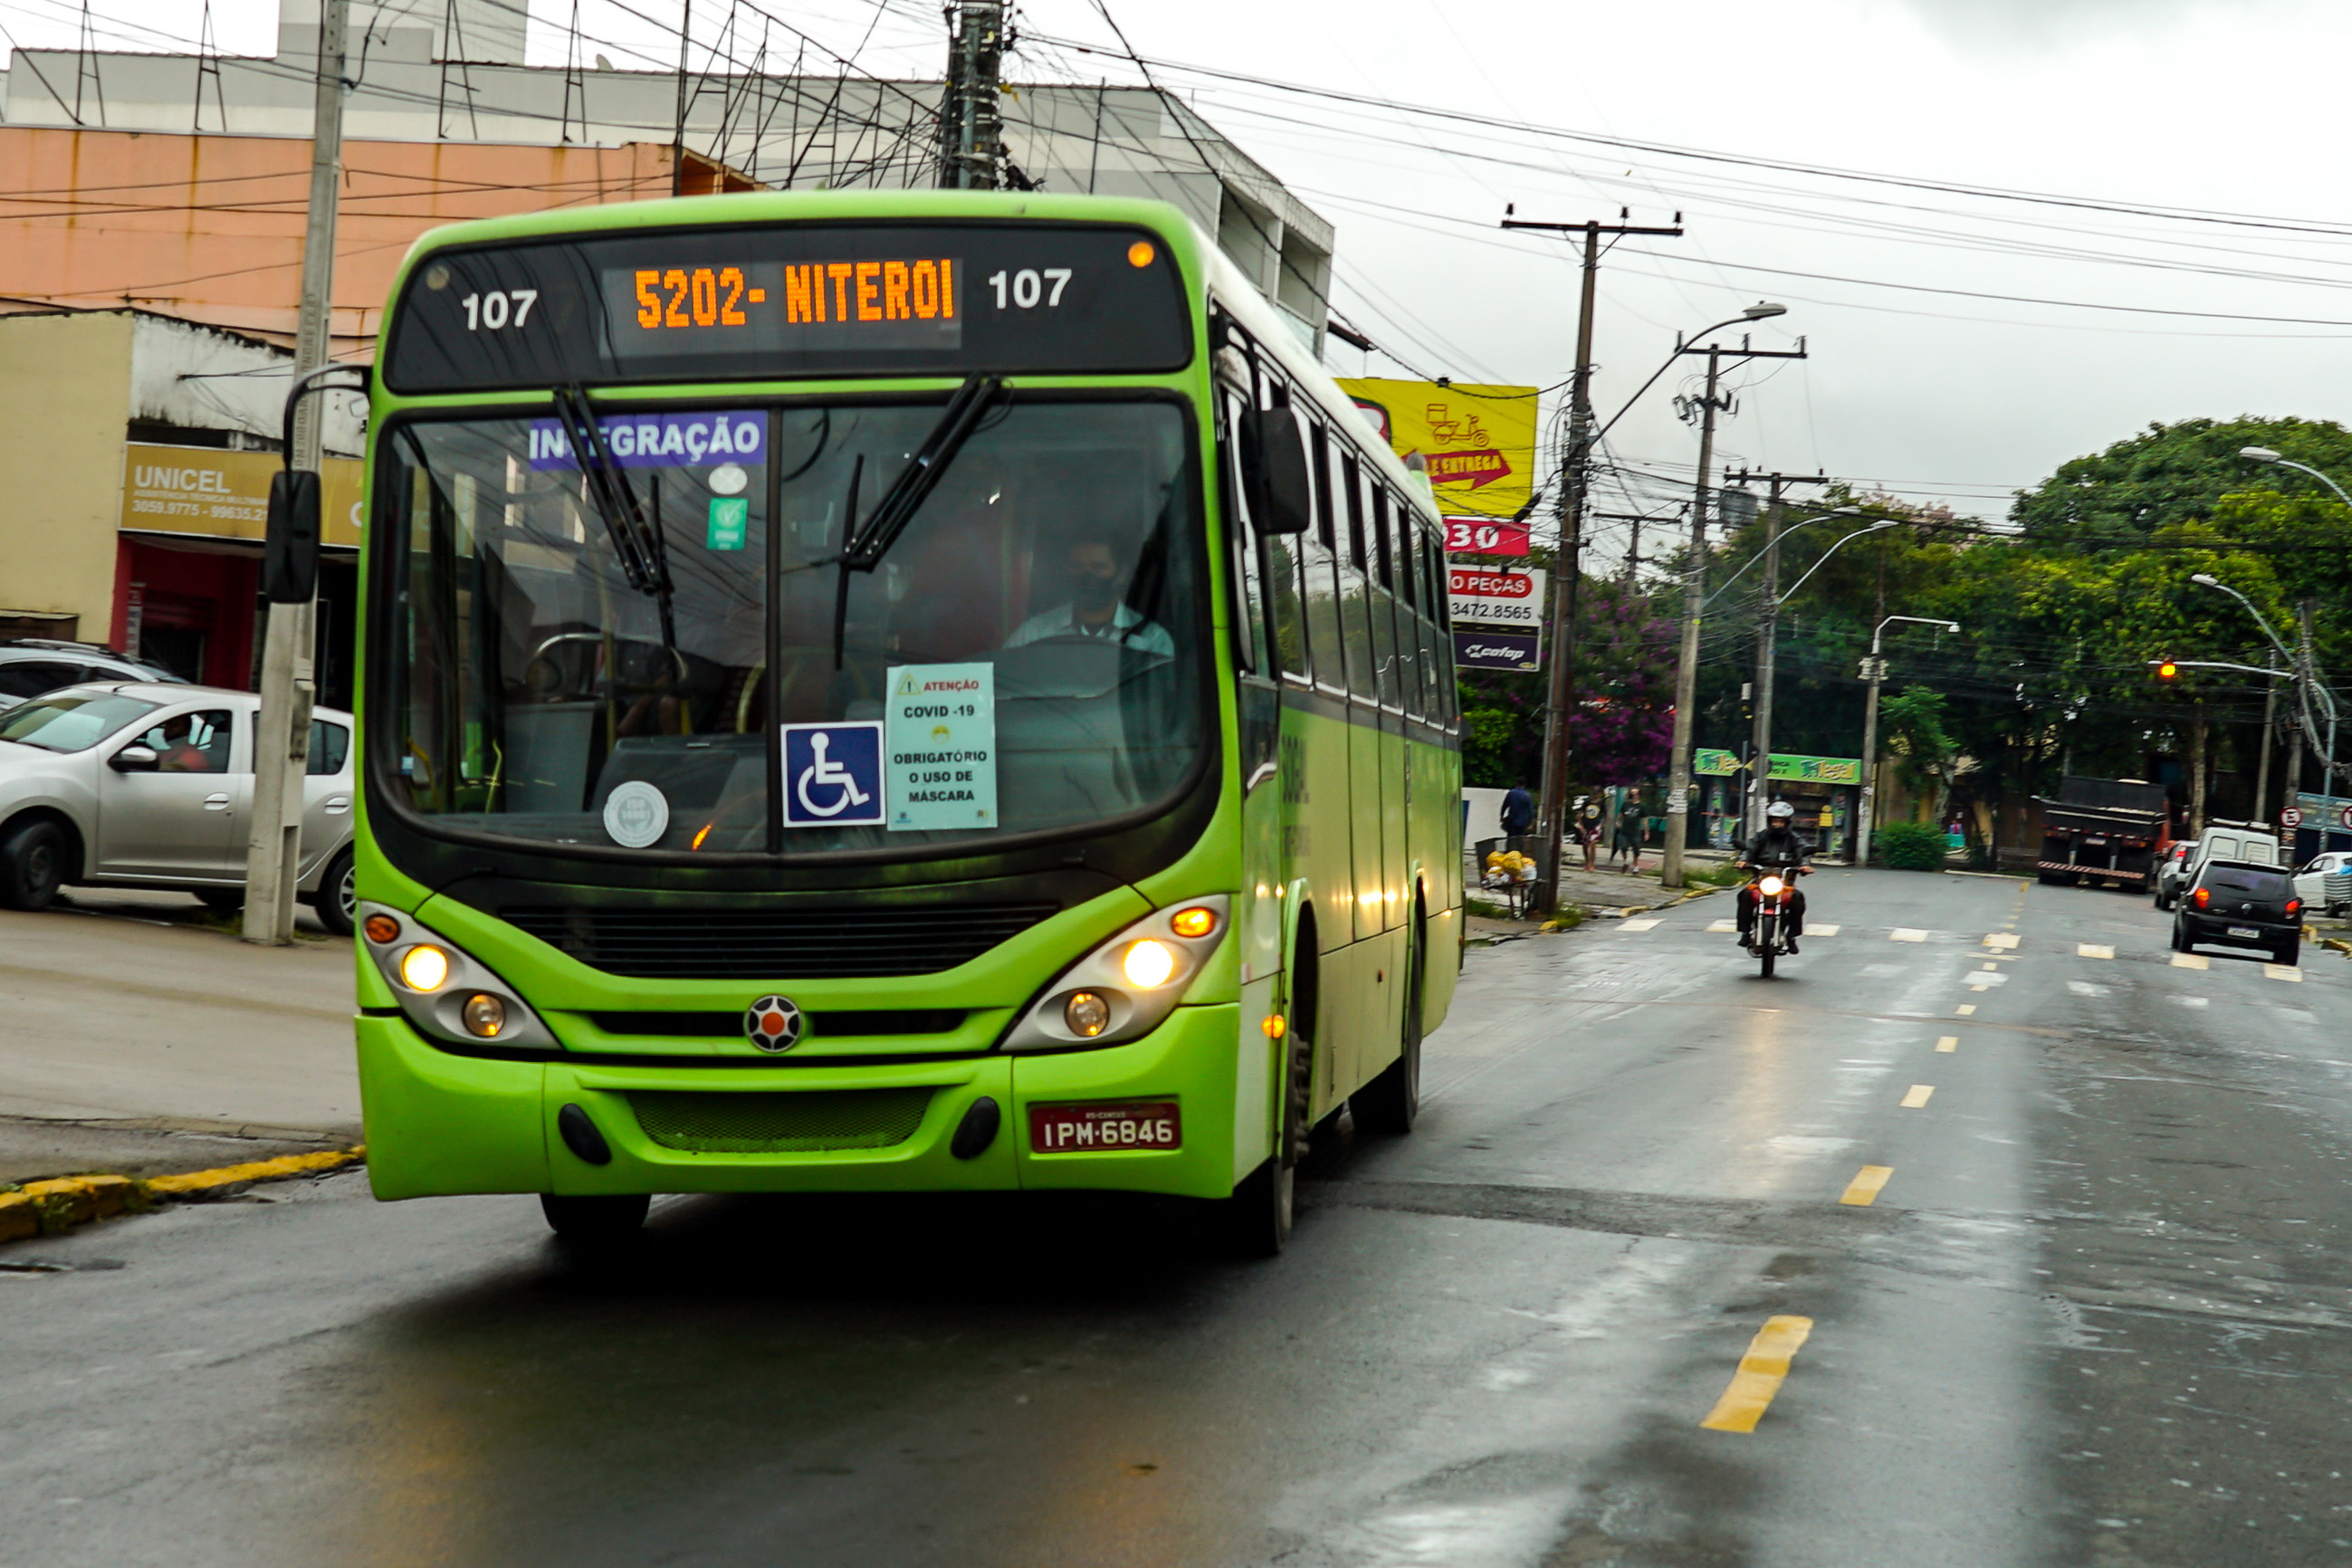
(1130, 985)
(450, 995)
(1148, 963)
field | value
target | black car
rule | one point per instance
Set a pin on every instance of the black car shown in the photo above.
(2233, 903)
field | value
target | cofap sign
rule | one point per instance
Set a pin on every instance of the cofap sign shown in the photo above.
(1481, 597)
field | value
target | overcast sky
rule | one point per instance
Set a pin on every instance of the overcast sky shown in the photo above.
(2223, 106)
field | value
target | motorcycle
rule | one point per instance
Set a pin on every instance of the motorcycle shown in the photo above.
(1775, 888)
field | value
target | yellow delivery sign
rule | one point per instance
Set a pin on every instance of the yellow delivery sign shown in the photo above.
(1479, 442)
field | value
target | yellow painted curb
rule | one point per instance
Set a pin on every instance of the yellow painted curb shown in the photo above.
(46, 1209)
(259, 1171)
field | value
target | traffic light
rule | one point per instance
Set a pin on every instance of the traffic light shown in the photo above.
(2166, 670)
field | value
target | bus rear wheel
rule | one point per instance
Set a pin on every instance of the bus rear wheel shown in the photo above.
(596, 1220)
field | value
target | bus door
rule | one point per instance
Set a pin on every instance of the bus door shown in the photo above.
(1391, 635)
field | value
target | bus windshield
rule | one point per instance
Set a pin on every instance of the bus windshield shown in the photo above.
(705, 677)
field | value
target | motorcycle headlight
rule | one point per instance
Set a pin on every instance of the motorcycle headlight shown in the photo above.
(1128, 985)
(1771, 886)
(444, 991)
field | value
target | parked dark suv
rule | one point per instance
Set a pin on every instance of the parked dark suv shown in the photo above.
(2235, 904)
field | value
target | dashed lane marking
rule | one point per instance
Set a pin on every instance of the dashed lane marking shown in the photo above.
(1762, 1371)
(1823, 930)
(1948, 1043)
(1965, 1009)
(2194, 1001)
(2191, 960)
(2002, 938)
(2093, 950)
(1994, 967)
(2085, 988)
(1642, 925)
(1905, 934)
(1863, 1190)
(1918, 1097)
(1723, 925)
(2286, 972)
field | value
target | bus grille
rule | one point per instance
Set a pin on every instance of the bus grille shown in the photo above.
(777, 944)
(777, 1123)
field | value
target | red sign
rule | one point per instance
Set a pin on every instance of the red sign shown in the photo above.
(1481, 468)
(1091, 1128)
(1476, 536)
(2291, 817)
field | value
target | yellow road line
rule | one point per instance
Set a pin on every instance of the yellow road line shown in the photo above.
(1863, 1190)
(1965, 1009)
(2191, 960)
(1918, 1095)
(1762, 1371)
(1948, 1043)
(2094, 949)
(2001, 939)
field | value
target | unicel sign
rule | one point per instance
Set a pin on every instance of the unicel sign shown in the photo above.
(1480, 598)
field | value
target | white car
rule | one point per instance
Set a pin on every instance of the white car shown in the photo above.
(149, 786)
(2312, 882)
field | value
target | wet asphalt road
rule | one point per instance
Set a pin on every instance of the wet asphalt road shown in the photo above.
(2100, 1313)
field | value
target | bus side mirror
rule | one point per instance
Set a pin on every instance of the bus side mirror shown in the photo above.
(1274, 446)
(289, 557)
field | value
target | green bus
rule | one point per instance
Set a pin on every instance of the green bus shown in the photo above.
(885, 691)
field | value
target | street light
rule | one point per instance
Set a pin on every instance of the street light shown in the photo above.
(1873, 670)
(2264, 455)
(1736, 576)
(1833, 550)
(1678, 765)
(2299, 660)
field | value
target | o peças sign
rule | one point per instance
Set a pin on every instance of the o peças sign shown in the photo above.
(1478, 596)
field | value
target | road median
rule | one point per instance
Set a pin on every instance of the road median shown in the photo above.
(60, 1204)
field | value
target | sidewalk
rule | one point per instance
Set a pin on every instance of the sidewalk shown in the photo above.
(1600, 893)
(132, 1038)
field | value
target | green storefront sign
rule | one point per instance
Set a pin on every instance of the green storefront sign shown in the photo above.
(1817, 769)
(1709, 763)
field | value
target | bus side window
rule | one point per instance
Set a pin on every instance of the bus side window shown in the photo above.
(1241, 556)
(1283, 555)
(1386, 656)
(1441, 622)
(1363, 677)
(1321, 565)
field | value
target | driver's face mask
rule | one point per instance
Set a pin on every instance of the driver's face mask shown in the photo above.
(1093, 591)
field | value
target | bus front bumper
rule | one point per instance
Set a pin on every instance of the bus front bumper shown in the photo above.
(441, 1123)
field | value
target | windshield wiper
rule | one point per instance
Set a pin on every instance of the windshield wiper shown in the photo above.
(864, 545)
(636, 537)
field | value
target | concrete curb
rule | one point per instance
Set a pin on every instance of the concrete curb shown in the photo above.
(55, 1207)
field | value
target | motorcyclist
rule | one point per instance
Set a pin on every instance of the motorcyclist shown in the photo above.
(1778, 845)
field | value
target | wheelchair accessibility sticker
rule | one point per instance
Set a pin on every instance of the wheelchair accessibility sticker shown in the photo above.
(832, 774)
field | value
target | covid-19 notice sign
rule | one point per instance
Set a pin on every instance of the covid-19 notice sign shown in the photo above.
(939, 746)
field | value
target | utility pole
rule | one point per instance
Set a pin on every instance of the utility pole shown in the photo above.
(972, 126)
(678, 132)
(281, 750)
(1678, 776)
(2262, 768)
(1551, 820)
(1633, 538)
(1767, 633)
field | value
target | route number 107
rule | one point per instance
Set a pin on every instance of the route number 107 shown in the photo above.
(498, 308)
(1028, 286)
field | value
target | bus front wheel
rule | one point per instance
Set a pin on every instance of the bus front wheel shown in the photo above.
(594, 1220)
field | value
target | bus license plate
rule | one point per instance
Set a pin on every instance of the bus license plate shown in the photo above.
(1091, 1128)
(2244, 931)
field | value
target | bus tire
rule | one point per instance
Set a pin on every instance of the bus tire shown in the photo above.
(1390, 1103)
(1257, 1221)
(597, 1220)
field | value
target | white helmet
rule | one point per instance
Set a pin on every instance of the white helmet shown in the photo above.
(1779, 811)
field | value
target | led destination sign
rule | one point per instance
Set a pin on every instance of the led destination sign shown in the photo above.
(776, 301)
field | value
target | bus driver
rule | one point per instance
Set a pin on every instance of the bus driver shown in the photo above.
(1097, 606)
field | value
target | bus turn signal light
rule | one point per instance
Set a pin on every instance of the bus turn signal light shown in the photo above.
(1086, 1013)
(423, 967)
(1149, 964)
(383, 929)
(1195, 921)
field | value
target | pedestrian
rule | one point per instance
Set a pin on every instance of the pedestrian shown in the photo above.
(1627, 839)
(1518, 817)
(1587, 832)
